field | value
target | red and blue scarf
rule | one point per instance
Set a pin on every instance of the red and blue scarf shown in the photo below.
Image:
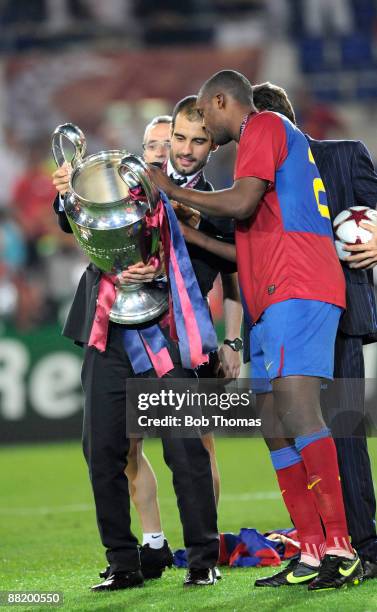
(188, 316)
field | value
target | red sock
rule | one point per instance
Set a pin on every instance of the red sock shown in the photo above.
(322, 469)
(300, 503)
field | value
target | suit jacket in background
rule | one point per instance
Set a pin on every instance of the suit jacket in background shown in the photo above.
(206, 265)
(350, 180)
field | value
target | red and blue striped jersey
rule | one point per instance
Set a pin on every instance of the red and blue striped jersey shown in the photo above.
(285, 249)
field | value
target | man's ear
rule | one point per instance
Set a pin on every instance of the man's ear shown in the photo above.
(220, 100)
(214, 147)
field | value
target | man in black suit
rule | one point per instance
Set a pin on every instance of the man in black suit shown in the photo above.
(190, 150)
(106, 445)
(350, 179)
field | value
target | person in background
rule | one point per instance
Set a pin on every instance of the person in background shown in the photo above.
(156, 141)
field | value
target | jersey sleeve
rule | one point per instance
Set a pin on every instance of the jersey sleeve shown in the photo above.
(262, 148)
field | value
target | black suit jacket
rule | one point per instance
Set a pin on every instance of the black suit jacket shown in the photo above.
(206, 267)
(350, 179)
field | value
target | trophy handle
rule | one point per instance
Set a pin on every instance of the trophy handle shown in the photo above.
(135, 172)
(72, 133)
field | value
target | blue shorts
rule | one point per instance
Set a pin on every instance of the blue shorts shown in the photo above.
(294, 337)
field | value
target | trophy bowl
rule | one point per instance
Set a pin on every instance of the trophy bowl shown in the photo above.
(110, 226)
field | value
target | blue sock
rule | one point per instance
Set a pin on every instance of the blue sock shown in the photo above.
(285, 457)
(303, 441)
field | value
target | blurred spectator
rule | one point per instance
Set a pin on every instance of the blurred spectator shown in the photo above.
(365, 13)
(169, 22)
(58, 16)
(229, 8)
(13, 252)
(279, 15)
(22, 12)
(32, 196)
(39, 289)
(112, 13)
(21, 299)
(240, 23)
(38, 11)
(318, 119)
(323, 16)
(62, 22)
(12, 163)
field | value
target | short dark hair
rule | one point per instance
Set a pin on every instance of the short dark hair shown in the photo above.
(187, 106)
(232, 82)
(274, 98)
(156, 121)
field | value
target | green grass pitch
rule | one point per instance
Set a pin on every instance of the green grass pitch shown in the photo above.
(49, 539)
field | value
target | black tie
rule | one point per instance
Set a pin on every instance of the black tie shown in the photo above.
(178, 181)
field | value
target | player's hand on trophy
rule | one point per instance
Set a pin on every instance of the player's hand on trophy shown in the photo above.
(60, 178)
(163, 182)
(140, 273)
(186, 214)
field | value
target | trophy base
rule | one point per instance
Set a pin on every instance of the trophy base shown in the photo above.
(136, 304)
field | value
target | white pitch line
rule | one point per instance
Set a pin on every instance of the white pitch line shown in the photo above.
(40, 510)
(47, 509)
(256, 496)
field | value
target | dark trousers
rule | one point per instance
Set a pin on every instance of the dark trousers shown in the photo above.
(106, 446)
(344, 413)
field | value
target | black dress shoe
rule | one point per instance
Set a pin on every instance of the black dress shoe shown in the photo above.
(120, 580)
(105, 573)
(370, 570)
(200, 577)
(153, 561)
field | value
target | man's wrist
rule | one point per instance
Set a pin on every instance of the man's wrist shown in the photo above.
(236, 344)
(201, 239)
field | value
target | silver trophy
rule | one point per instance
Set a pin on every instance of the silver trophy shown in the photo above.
(108, 224)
